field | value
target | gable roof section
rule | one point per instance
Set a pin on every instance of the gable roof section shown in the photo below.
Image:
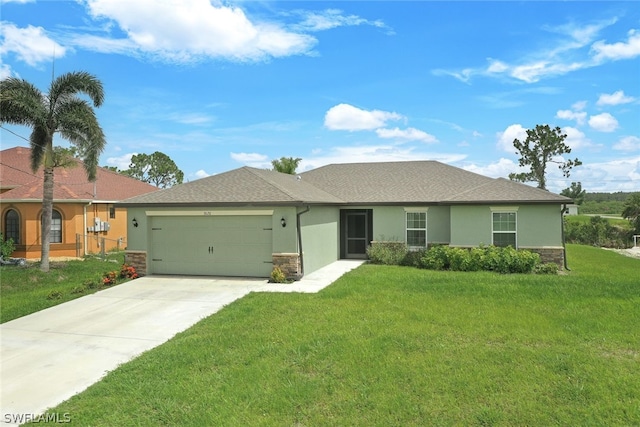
(420, 182)
(245, 185)
(70, 184)
(400, 183)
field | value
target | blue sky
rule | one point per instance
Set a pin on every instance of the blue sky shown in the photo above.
(218, 85)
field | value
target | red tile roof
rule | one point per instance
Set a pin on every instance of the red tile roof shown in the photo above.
(69, 183)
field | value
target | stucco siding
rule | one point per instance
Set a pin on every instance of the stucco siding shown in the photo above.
(470, 225)
(537, 225)
(320, 234)
(439, 224)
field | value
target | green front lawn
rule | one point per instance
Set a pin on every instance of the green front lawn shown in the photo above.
(25, 290)
(399, 346)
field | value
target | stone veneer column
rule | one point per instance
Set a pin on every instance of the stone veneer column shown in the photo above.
(289, 263)
(554, 255)
(138, 260)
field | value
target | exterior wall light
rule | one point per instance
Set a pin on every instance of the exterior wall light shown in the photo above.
(283, 222)
(135, 222)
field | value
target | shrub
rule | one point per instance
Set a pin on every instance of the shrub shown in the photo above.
(278, 276)
(110, 278)
(546, 268)
(128, 272)
(6, 247)
(436, 258)
(489, 258)
(388, 253)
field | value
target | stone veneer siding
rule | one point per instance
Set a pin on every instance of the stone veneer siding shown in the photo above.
(138, 260)
(554, 255)
(289, 263)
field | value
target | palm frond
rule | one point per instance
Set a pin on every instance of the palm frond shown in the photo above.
(71, 83)
(39, 140)
(78, 123)
(21, 103)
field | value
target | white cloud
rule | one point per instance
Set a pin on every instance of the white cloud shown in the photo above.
(409, 134)
(574, 50)
(613, 175)
(604, 122)
(578, 116)
(619, 50)
(576, 138)
(579, 106)
(30, 45)
(628, 143)
(505, 138)
(121, 162)
(616, 98)
(252, 159)
(373, 153)
(5, 71)
(190, 30)
(350, 118)
(332, 18)
(500, 169)
(201, 174)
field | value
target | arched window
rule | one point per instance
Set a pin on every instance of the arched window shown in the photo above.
(56, 227)
(12, 226)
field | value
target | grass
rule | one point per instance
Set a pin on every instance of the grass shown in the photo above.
(25, 290)
(586, 219)
(399, 346)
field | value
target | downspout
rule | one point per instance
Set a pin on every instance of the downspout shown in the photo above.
(564, 246)
(299, 231)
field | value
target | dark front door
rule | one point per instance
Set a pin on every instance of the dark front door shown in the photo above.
(356, 233)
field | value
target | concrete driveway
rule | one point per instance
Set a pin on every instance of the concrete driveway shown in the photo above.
(51, 355)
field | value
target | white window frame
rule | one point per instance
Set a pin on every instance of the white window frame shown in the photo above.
(502, 210)
(407, 228)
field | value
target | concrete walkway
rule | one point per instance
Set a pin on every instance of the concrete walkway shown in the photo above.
(51, 355)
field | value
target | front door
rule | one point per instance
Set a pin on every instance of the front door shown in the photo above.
(356, 233)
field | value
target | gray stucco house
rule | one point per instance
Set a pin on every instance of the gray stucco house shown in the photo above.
(246, 221)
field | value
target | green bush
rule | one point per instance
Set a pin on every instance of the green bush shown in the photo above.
(597, 231)
(387, 253)
(546, 268)
(488, 258)
(6, 247)
(278, 276)
(436, 258)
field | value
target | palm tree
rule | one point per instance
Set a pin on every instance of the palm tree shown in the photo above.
(286, 165)
(60, 111)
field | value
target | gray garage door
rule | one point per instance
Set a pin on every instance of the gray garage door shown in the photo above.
(212, 245)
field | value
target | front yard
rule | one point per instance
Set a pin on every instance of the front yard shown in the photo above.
(25, 290)
(399, 346)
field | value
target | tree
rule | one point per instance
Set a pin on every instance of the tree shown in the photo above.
(286, 165)
(60, 111)
(157, 169)
(632, 211)
(575, 192)
(542, 146)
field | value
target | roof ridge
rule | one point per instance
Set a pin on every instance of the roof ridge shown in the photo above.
(276, 185)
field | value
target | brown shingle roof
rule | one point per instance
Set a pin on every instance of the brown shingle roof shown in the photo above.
(69, 183)
(240, 186)
(417, 182)
(420, 182)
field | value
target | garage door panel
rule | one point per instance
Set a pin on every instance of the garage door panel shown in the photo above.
(217, 245)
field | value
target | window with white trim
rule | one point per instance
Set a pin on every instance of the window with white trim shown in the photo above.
(503, 228)
(416, 229)
(56, 227)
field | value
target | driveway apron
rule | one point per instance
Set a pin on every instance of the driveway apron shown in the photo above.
(53, 354)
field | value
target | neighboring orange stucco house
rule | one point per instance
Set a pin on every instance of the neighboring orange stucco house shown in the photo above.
(84, 215)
